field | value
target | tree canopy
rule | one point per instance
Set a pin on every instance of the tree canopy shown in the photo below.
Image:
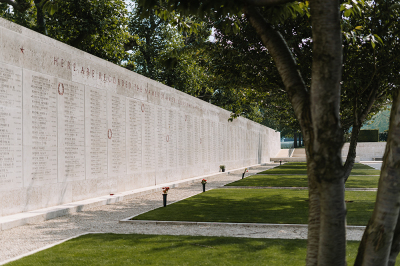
(315, 95)
(160, 51)
(96, 27)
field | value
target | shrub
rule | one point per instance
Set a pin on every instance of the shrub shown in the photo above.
(369, 135)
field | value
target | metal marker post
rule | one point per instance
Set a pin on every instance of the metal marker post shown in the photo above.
(165, 199)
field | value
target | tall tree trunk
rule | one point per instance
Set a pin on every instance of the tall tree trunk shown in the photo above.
(394, 251)
(314, 216)
(300, 140)
(359, 117)
(300, 99)
(380, 241)
(41, 23)
(351, 154)
(328, 135)
(295, 139)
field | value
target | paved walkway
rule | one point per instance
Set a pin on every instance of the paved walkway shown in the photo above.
(375, 164)
(23, 239)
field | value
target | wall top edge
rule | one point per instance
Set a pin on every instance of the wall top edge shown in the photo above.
(48, 56)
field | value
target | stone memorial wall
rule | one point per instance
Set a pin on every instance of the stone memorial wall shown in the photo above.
(73, 126)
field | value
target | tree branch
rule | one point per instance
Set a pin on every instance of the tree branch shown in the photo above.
(351, 154)
(372, 77)
(130, 44)
(371, 100)
(347, 122)
(287, 68)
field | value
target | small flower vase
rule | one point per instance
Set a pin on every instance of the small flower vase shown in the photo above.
(204, 187)
(165, 199)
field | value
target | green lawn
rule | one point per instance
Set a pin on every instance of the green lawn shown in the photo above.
(298, 165)
(113, 249)
(301, 181)
(362, 181)
(303, 171)
(280, 206)
(362, 166)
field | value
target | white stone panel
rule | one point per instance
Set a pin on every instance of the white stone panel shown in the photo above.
(134, 135)
(172, 139)
(162, 139)
(10, 127)
(39, 129)
(116, 107)
(189, 141)
(196, 142)
(149, 143)
(181, 141)
(203, 142)
(71, 131)
(96, 131)
(209, 142)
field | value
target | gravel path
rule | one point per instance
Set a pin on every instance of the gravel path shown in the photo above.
(21, 240)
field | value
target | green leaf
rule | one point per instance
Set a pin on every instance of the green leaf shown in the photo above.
(53, 10)
(348, 12)
(378, 38)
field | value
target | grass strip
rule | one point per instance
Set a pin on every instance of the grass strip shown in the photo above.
(362, 181)
(123, 249)
(278, 206)
(301, 181)
(272, 181)
(300, 165)
(362, 166)
(304, 171)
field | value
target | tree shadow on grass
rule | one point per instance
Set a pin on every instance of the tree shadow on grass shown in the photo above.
(285, 171)
(256, 206)
(237, 205)
(362, 182)
(304, 171)
(300, 181)
(184, 250)
(299, 167)
(272, 181)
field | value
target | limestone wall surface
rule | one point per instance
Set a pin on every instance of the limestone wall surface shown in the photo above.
(73, 126)
(367, 151)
